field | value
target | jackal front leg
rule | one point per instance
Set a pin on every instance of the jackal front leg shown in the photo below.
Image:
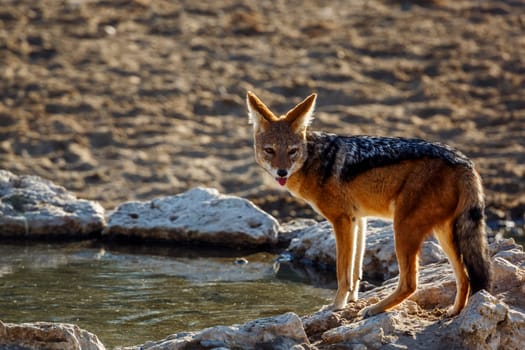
(360, 244)
(345, 239)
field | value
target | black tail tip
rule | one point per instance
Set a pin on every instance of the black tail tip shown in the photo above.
(481, 281)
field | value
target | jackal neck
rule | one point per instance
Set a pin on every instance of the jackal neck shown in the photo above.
(349, 156)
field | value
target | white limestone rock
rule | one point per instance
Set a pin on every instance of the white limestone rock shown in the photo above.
(200, 215)
(279, 332)
(34, 207)
(370, 332)
(488, 323)
(315, 244)
(45, 335)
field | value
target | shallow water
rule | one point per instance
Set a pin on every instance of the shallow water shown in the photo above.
(128, 295)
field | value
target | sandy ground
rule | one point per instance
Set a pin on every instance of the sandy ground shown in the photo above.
(134, 99)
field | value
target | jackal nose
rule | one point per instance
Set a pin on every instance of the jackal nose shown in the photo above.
(282, 172)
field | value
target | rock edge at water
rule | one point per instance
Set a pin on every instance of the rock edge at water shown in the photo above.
(35, 208)
(32, 207)
(278, 332)
(47, 335)
(200, 215)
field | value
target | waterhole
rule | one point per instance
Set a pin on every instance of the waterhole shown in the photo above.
(129, 295)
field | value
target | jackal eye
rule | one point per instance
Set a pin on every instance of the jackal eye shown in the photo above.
(269, 151)
(293, 152)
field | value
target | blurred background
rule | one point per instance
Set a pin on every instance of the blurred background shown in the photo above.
(135, 99)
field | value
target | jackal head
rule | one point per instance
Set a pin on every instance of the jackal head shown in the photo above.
(280, 142)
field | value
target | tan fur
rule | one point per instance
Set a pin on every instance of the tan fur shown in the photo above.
(421, 196)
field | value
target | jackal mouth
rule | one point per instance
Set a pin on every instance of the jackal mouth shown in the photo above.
(281, 180)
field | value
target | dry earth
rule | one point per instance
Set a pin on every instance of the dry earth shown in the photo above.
(133, 99)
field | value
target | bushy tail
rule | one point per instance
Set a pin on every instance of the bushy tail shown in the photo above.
(470, 236)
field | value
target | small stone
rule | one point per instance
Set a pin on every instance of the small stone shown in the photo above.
(240, 261)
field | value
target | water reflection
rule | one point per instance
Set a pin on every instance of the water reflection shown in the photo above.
(130, 294)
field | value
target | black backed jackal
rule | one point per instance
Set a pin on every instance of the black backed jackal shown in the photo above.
(424, 187)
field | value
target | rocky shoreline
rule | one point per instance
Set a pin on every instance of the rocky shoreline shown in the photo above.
(34, 208)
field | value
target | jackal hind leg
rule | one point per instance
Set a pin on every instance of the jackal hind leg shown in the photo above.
(445, 238)
(408, 240)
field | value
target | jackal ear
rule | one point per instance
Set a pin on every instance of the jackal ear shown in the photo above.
(258, 113)
(302, 115)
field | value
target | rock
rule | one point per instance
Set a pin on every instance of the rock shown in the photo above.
(49, 336)
(508, 267)
(436, 287)
(316, 244)
(201, 215)
(279, 332)
(487, 322)
(292, 229)
(34, 207)
(371, 332)
(509, 250)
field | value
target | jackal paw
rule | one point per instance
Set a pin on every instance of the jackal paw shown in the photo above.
(353, 296)
(329, 307)
(332, 307)
(368, 311)
(452, 311)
